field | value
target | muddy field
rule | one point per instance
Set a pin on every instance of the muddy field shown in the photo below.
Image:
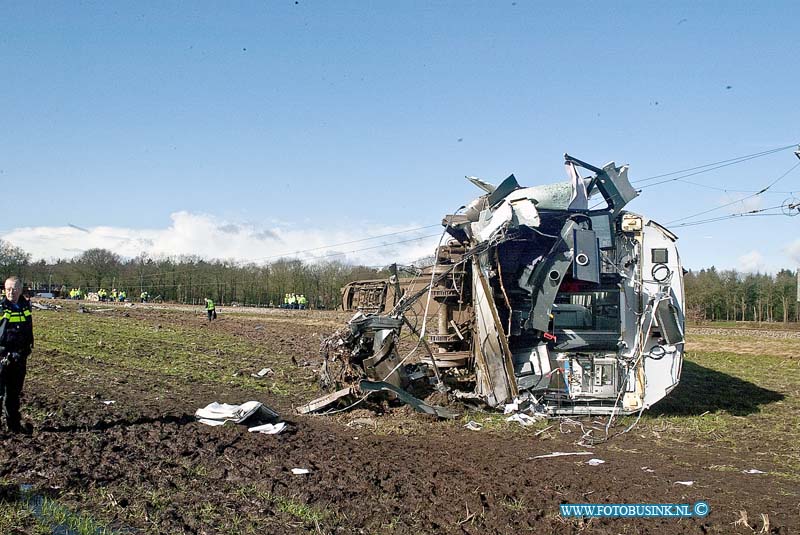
(111, 395)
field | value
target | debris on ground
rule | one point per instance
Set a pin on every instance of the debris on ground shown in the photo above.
(263, 372)
(472, 425)
(300, 471)
(561, 454)
(523, 419)
(44, 306)
(253, 413)
(269, 429)
(595, 462)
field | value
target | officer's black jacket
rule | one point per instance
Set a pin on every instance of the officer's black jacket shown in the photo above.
(17, 331)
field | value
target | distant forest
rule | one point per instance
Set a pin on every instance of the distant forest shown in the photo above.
(711, 295)
(187, 279)
(728, 295)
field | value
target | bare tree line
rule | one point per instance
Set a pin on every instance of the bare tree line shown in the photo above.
(733, 296)
(187, 279)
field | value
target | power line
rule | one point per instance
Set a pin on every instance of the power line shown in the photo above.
(749, 213)
(345, 243)
(726, 190)
(760, 192)
(712, 166)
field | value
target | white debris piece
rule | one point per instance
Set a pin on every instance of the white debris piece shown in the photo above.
(511, 407)
(561, 454)
(472, 425)
(221, 413)
(269, 429)
(522, 419)
(648, 469)
(753, 471)
(687, 483)
(109, 402)
(300, 471)
(595, 462)
(263, 372)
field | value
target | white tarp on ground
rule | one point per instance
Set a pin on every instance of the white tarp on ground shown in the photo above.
(221, 413)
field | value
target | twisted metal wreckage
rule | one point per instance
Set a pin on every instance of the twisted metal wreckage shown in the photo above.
(541, 299)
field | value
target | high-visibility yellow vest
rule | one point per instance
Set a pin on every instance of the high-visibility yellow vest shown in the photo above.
(16, 316)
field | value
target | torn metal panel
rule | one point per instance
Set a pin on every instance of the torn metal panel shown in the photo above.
(485, 186)
(405, 397)
(326, 401)
(536, 295)
(501, 192)
(495, 369)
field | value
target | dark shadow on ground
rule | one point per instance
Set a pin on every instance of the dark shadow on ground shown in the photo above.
(705, 390)
(102, 425)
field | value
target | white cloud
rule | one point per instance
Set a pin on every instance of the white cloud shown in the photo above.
(752, 262)
(209, 237)
(793, 251)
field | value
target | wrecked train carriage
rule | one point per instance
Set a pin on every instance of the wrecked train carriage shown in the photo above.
(578, 308)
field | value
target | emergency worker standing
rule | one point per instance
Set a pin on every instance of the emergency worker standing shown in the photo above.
(16, 343)
(211, 309)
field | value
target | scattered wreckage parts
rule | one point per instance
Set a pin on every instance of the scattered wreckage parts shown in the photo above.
(364, 388)
(536, 296)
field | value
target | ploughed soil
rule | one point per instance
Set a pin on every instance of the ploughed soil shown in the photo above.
(143, 464)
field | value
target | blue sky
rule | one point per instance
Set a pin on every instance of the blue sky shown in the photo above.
(251, 129)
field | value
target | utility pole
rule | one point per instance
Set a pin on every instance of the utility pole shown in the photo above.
(797, 305)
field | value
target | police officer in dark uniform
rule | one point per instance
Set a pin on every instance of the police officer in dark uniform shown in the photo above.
(16, 343)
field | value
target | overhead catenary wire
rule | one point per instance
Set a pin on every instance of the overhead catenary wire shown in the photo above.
(728, 190)
(713, 165)
(760, 192)
(749, 213)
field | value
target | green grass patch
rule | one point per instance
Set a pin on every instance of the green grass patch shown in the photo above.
(735, 400)
(186, 353)
(25, 512)
(292, 506)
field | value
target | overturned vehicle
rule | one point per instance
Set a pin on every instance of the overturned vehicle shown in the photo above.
(535, 296)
